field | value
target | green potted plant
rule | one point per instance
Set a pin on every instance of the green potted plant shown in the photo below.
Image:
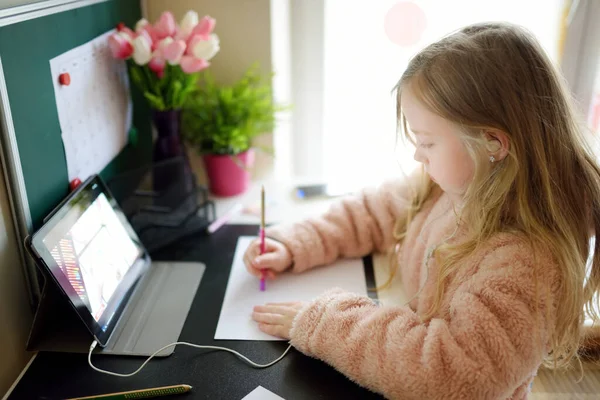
(222, 121)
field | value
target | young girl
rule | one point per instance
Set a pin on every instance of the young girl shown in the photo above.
(491, 236)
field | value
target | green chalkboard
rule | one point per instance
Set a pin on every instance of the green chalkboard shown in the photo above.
(26, 49)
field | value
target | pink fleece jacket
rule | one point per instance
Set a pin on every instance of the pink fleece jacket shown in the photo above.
(486, 341)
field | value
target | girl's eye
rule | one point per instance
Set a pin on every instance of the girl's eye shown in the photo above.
(426, 145)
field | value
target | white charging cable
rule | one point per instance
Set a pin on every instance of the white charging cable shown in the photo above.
(252, 363)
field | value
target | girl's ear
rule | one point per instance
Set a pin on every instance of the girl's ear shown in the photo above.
(497, 144)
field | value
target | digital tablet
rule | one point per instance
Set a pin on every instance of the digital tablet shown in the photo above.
(93, 255)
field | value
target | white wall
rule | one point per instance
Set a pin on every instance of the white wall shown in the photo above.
(15, 314)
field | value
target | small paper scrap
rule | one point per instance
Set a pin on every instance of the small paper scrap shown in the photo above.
(260, 393)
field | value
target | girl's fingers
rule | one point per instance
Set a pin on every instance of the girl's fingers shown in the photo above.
(273, 330)
(249, 267)
(283, 304)
(271, 245)
(267, 260)
(255, 272)
(273, 309)
(258, 272)
(263, 309)
(267, 318)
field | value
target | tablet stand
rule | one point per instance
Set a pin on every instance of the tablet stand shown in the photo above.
(153, 317)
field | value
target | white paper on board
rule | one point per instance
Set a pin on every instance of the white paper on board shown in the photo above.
(95, 109)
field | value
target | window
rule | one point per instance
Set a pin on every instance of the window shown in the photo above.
(362, 65)
(350, 107)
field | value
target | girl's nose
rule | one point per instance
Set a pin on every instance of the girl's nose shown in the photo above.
(418, 156)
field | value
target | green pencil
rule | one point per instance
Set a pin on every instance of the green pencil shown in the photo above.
(140, 394)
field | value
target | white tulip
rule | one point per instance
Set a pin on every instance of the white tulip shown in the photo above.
(165, 42)
(142, 51)
(188, 22)
(206, 49)
(140, 24)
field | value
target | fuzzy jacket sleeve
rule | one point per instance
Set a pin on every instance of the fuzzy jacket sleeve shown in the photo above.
(353, 227)
(487, 345)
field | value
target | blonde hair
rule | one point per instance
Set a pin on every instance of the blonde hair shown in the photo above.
(495, 76)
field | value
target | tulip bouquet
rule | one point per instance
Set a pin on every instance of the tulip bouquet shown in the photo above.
(164, 57)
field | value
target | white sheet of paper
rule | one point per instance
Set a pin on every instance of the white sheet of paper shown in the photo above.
(243, 292)
(95, 109)
(260, 393)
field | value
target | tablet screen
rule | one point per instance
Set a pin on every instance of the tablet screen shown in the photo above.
(93, 254)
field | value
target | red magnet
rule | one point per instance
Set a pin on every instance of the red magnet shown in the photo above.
(74, 183)
(64, 79)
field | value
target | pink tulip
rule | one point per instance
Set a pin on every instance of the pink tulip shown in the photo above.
(127, 31)
(193, 39)
(161, 44)
(157, 65)
(158, 61)
(173, 51)
(205, 26)
(165, 26)
(203, 29)
(153, 36)
(120, 45)
(180, 34)
(144, 27)
(191, 64)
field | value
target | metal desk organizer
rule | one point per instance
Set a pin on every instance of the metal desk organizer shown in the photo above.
(163, 202)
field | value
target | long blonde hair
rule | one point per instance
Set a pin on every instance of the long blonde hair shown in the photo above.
(495, 76)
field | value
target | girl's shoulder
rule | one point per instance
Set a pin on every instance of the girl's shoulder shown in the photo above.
(517, 253)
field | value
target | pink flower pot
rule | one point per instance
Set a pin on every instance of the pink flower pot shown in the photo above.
(229, 175)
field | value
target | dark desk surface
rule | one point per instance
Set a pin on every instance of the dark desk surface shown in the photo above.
(213, 374)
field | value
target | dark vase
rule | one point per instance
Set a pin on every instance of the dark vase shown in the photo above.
(169, 156)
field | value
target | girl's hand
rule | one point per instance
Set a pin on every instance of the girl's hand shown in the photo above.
(276, 259)
(276, 318)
